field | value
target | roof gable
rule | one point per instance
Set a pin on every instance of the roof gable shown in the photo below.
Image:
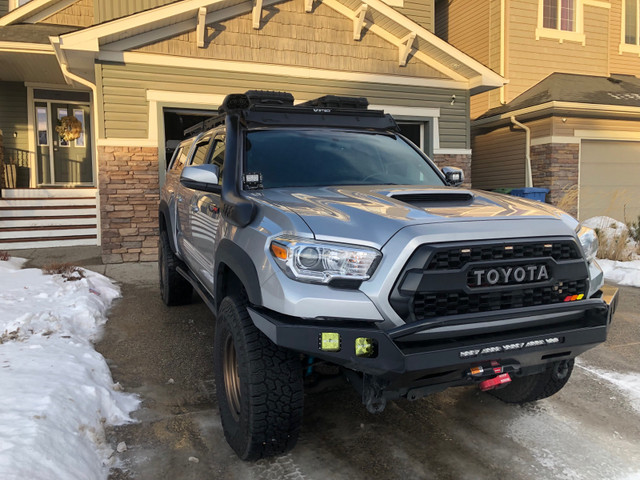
(34, 11)
(373, 17)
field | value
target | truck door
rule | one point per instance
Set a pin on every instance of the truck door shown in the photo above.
(187, 203)
(205, 217)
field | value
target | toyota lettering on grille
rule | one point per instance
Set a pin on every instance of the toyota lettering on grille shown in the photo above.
(480, 277)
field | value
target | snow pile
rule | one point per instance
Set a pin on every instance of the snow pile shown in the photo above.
(622, 273)
(56, 391)
(626, 383)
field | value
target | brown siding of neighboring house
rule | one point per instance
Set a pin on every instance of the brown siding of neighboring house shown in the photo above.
(323, 39)
(79, 14)
(420, 11)
(498, 159)
(106, 10)
(607, 127)
(531, 60)
(4, 7)
(474, 28)
(626, 62)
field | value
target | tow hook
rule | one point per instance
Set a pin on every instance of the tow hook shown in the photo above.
(495, 382)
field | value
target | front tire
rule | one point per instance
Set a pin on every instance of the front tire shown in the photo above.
(174, 288)
(536, 387)
(258, 385)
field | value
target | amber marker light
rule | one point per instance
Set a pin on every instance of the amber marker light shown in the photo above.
(279, 251)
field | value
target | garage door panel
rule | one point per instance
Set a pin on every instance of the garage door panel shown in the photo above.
(610, 179)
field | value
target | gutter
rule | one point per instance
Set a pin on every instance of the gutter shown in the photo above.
(527, 153)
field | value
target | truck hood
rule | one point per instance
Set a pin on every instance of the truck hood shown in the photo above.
(371, 215)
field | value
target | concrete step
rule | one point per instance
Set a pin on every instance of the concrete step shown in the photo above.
(51, 221)
(48, 242)
(15, 235)
(22, 203)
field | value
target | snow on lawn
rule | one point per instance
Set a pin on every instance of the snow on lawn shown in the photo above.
(56, 391)
(622, 273)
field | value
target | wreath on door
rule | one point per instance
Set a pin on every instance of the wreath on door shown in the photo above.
(69, 128)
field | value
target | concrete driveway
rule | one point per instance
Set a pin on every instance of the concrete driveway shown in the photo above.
(590, 430)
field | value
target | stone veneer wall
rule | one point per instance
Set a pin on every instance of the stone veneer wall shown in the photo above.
(129, 196)
(460, 161)
(555, 166)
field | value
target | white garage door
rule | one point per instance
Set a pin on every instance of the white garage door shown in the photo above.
(610, 179)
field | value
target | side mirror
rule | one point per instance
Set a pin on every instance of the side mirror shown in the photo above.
(453, 175)
(201, 177)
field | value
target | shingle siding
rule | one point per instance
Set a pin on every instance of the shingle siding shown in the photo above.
(106, 10)
(79, 13)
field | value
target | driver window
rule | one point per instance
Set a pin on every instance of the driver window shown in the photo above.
(217, 158)
(200, 153)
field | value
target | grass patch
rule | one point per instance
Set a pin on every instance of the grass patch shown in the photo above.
(69, 271)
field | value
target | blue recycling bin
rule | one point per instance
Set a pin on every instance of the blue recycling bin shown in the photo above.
(531, 193)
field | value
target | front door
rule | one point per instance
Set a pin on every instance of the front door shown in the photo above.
(64, 158)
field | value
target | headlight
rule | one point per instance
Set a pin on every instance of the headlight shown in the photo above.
(589, 241)
(318, 262)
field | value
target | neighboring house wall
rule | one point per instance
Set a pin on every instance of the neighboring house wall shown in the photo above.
(620, 62)
(4, 7)
(498, 159)
(79, 14)
(420, 11)
(13, 105)
(106, 10)
(530, 60)
(474, 28)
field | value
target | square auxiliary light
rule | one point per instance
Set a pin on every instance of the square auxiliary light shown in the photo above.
(329, 342)
(365, 347)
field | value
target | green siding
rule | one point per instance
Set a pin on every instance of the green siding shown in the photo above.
(13, 115)
(105, 10)
(4, 7)
(123, 92)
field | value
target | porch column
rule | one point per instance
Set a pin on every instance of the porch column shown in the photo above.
(129, 196)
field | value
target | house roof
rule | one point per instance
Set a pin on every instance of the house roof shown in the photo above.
(33, 33)
(616, 90)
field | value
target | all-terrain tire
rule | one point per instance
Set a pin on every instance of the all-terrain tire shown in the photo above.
(258, 385)
(538, 386)
(174, 288)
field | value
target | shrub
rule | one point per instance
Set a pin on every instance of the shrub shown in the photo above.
(614, 247)
(69, 271)
(4, 256)
(634, 230)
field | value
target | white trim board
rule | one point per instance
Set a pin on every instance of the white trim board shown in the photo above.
(452, 151)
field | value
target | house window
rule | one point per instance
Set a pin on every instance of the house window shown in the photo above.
(561, 20)
(631, 22)
(559, 15)
(13, 4)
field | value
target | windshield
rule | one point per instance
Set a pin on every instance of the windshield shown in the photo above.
(313, 158)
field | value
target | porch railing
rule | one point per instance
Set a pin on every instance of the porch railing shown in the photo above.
(15, 167)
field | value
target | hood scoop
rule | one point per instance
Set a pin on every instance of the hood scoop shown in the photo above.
(440, 198)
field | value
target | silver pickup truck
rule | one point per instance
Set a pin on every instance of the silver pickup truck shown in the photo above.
(325, 241)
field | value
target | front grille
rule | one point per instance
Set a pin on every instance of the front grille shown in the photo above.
(429, 305)
(457, 257)
(466, 279)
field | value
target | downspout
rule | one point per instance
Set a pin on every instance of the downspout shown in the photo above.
(527, 155)
(72, 77)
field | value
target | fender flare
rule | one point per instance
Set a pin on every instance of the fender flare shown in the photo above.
(163, 212)
(239, 262)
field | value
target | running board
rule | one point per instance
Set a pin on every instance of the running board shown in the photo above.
(204, 294)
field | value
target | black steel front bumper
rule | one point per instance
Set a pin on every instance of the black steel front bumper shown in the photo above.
(449, 344)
